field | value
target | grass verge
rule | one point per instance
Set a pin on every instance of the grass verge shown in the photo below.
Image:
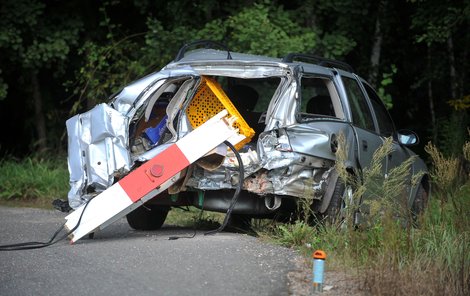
(33, 181)
(396, 258)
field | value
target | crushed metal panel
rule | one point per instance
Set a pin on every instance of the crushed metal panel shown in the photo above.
(75, 163)
(97, 149)
(319, 138)
(242, 70)
(280, 110)
(277, 169)
(125, 101)
(98, 139)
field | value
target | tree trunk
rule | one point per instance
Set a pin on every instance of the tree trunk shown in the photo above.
(463, 63)
(39, 119)
(430, 97)
(453, 75)
(376, 48)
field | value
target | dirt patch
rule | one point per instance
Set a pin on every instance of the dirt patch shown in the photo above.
(336, 282)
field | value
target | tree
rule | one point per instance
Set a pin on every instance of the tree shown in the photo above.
(258, 29)
(435, 23)
(408, 49)
(34, 37)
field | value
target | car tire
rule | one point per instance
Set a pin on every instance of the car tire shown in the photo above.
(419, 204)
(337, 213)
(147, 217)
(333, 214)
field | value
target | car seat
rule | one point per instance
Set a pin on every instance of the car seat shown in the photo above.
(320, 104)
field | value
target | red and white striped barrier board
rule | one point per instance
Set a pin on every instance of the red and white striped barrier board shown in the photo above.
(152, 177)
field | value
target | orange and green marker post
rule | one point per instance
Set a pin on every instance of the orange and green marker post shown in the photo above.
(318, 270)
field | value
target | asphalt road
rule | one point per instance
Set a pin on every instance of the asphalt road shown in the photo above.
(121, 261)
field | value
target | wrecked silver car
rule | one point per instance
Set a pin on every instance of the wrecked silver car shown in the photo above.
(295, 109)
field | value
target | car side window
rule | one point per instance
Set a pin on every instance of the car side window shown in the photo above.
(384, 120)
(316, 98)
(361, 114)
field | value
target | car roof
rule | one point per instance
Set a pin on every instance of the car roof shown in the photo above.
(221, 55)
(214, 56)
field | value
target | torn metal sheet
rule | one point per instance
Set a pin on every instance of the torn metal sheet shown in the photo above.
(98, 149)
(131, 97)
(276, 170)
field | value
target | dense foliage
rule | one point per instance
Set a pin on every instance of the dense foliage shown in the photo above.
(61, 57)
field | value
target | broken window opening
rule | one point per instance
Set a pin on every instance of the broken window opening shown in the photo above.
(149, 127)
(250, 97)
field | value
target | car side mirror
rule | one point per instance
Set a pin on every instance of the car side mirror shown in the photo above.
(407, 137)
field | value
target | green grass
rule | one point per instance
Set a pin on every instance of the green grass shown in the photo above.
(35, 180)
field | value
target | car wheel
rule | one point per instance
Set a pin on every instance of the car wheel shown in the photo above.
(336, 213)
(419, 204)
(147, 217)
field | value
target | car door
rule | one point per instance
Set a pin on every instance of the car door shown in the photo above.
(386, 128)
(367, 139)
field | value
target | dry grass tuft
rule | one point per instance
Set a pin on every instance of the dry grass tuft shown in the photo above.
(387, 277)
(445, 171)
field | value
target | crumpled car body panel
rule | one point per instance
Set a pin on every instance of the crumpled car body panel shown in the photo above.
(98, 148)
(98, 140)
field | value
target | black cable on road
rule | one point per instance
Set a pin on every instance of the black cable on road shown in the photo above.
(38, 245)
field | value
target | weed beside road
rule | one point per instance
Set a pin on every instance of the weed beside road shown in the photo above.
(395, 253)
